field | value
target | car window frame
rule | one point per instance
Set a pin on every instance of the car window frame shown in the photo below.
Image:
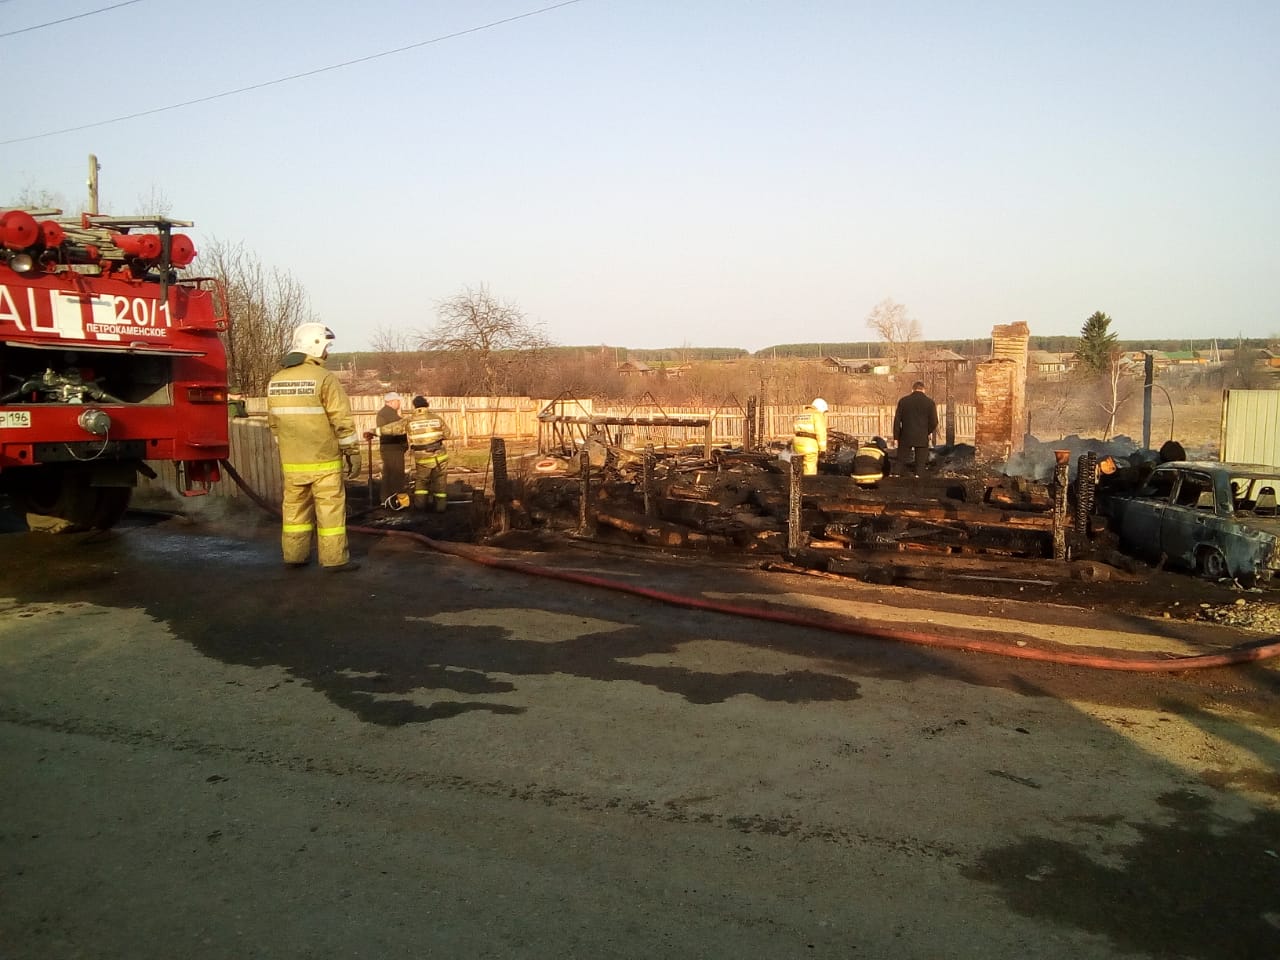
(1205, 480)
(1149, 489)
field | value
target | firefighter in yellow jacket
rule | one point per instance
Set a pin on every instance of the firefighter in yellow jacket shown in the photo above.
(427, 433)
(810, 435)
(309, 413)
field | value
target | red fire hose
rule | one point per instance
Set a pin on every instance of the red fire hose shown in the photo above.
(1164, 663)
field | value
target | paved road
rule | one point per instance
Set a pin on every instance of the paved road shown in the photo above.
(206, 755)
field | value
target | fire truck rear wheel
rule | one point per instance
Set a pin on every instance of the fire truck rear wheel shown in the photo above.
(111, 504)
(67, 495)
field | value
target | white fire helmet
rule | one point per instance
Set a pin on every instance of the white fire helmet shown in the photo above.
(819, 404)
(312, 339)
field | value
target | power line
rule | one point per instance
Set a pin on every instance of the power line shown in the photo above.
(294, 76)
(78, 16)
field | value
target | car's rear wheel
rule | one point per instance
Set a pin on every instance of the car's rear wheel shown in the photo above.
(1211, 564)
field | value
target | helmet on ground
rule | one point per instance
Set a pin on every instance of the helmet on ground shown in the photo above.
(311, 339)
(420, 401)
(819, 404)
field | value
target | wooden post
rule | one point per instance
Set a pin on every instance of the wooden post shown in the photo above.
(795, 533)
(650, 500)
(950, 369)
(586, 522)
(94, 167)
(498, 457)
(1061, 467)
(708, 435)
(1086, 477)
(749, 427)
(1148, 380)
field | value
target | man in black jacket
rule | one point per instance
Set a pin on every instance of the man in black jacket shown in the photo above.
(914, 423)
(391, 444)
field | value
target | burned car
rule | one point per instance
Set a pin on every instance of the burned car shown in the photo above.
(1218, 519)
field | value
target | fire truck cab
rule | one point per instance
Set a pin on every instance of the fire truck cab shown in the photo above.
(108, 359)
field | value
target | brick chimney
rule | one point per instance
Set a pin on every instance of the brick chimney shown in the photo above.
(1002, 395)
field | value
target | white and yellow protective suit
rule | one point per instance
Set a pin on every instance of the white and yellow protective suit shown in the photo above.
(810, 428)
(309, 413)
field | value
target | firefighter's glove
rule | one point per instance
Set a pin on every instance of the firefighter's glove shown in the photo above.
(353, 463)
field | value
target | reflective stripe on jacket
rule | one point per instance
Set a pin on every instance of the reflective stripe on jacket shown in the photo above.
(390, 427)
(869, 463)
(812, 423)
(426, 428)
(309, 413)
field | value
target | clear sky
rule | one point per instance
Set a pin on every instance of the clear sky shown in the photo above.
(652, 173)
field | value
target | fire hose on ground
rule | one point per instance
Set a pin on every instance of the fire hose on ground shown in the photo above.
(1165, 663)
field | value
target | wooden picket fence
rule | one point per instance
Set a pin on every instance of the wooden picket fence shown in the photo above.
(728, 424)
(253, 454)
(476, 419)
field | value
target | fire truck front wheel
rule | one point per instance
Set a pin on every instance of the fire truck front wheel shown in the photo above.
(66, 494)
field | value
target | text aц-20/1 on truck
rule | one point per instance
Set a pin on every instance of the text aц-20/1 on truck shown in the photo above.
(107, 360)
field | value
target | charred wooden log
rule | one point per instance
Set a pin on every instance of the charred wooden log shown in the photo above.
(1017, 493)
(950, 512)
(655, 532)
(691, 512)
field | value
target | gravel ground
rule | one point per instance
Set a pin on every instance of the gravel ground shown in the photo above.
(1262, 617)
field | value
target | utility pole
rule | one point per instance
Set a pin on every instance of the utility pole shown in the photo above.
(1148, 380)
(94, 167)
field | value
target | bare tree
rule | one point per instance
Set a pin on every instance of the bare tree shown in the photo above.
(897, 328)
(1118, 389)
(396, 356)
(1052, 399)
(502, 350)
(263, 306)
(38, 199)
(155, 202)
(582, 373)
(152, 203)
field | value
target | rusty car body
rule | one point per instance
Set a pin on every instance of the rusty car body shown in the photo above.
(1218, 519)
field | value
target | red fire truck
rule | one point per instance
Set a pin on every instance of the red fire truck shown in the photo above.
(108, 359)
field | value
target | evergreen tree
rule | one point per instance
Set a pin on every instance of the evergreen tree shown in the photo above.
(1097, 344)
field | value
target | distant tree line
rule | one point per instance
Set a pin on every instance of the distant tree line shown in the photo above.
(981, 347)
(676, 354)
